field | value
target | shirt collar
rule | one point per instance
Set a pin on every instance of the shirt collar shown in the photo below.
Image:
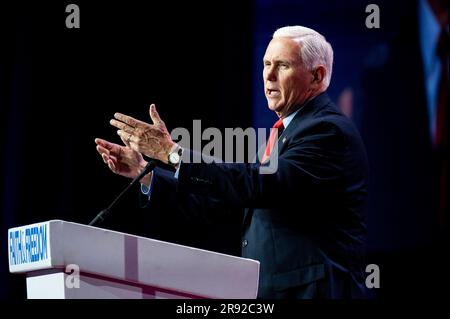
(289, 118)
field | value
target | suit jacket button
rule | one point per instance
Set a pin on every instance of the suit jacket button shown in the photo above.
(244, 243)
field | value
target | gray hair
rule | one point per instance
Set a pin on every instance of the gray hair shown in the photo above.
(314, 49)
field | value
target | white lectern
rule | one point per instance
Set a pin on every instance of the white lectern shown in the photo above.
(68, 260)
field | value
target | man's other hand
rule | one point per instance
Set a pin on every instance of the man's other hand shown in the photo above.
(122, 160)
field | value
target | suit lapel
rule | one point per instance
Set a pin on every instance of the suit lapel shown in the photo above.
(302, 115)
(283, 140)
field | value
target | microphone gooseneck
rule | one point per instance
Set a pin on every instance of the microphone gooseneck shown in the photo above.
(105, 212)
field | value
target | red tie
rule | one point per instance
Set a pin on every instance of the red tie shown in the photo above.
(278, 127)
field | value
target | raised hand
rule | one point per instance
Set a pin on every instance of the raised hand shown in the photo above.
(152, 140)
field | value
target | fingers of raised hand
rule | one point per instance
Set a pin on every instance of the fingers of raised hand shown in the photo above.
(155, 116)
(122, 126)
(127, 138)
(134, 123)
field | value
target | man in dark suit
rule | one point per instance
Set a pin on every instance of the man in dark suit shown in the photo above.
(304, 222)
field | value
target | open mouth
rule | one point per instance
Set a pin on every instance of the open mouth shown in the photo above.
(272, 93)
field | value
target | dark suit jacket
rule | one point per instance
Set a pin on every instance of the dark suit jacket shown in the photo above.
(306, 222)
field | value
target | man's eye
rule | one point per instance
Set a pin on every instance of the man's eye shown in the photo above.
(284, 66)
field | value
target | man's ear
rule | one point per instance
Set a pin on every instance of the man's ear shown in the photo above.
(319, 74)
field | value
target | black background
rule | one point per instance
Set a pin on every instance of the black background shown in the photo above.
(60, 87)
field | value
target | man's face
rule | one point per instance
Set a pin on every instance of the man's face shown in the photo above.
(286, 81)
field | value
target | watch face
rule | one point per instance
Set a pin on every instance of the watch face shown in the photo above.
(174, 158)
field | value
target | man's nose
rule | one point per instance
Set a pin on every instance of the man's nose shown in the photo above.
(271, 74)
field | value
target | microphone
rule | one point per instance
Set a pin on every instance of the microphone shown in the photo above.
(104, 213)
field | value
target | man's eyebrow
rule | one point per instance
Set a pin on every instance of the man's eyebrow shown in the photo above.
(279, 61)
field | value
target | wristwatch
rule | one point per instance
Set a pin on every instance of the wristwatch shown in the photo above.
(175, 155)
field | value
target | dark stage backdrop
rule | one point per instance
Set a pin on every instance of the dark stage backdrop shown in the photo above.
(60, 87)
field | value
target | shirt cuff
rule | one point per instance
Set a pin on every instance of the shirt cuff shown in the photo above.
(177, 171)
(148, 190)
